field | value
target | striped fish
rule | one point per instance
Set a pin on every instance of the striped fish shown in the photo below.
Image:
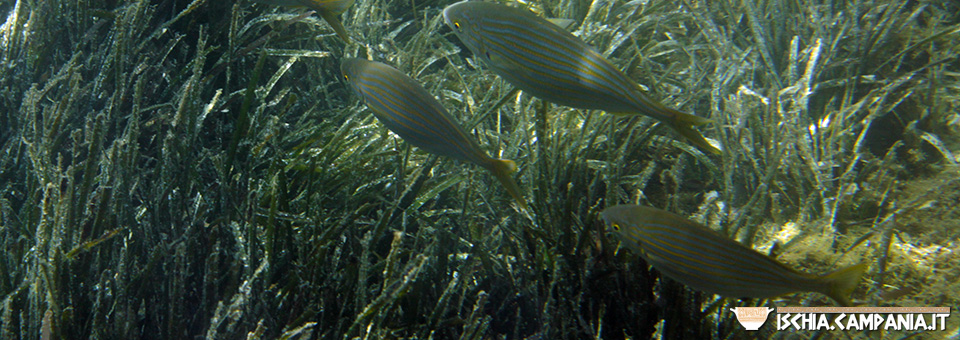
(548, 62)
(407, 109)
(329, 10)
(705, 260)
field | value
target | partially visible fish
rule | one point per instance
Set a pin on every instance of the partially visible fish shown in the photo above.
(550, 63)
(407, 109)
(705, 260)
(329, 10)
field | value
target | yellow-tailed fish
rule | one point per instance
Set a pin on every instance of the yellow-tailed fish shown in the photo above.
(550, 63)
(329, 10)
(407, 109)
(705, 260)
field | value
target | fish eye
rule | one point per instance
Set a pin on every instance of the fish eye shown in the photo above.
(457, 24)
(615, 226)
(346, 77)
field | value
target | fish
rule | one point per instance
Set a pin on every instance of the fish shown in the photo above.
(407, 109)
(708, 261)
(329, 10)
(550, 63)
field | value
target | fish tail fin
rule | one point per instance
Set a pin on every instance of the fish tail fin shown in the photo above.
(502, 170)
(839, 284)
(334, 20)
(683, 123)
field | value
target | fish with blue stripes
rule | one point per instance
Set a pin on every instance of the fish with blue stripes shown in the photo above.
(329, 10)
(704, 259)
(550, 63)
(407, 109)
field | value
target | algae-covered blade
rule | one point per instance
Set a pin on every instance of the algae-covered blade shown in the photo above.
(329, 10)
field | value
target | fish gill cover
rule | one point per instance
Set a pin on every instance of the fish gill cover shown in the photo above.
(185, 169)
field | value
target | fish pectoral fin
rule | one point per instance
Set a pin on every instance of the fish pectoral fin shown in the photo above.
(505, 65)
(651, 259)
(501, 62)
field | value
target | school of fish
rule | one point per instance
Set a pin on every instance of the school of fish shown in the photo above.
(546, 61)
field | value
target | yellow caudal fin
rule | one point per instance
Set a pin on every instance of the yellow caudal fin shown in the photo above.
(839, 284)
(683, 123)
(502, 170)
(334, 20)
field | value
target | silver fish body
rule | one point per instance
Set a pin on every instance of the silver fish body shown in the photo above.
(706, 260)
(550, 63)
(407, 109)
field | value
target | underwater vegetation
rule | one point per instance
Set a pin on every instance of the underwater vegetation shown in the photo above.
(329, 10)
(186, 169)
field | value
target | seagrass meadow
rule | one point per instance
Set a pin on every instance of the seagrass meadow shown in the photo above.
(175, 169)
